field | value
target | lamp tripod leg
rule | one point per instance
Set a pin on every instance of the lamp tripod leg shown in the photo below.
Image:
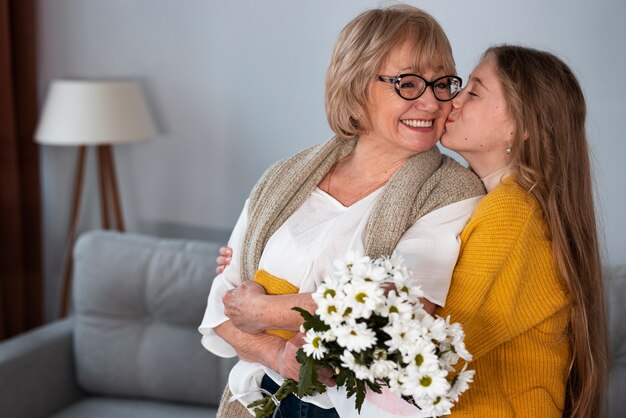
(116, 202)
(75, 217)
(103, 180)
(110, 202)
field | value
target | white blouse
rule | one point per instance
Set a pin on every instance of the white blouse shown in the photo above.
(302, 251)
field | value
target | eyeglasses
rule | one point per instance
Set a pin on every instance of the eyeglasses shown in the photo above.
(412, 86)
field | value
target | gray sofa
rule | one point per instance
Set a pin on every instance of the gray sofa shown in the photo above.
(131, 348)
(615, 287)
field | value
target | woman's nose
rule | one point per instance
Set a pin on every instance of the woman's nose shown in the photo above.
(427, 101)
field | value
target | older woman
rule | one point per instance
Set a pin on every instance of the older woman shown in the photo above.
(380, 186)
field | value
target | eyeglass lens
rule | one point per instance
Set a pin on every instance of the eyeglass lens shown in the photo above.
(411, 87)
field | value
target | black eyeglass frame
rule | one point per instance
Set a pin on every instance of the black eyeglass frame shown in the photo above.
(396, 84)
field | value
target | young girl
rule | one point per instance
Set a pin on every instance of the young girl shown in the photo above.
(528, 287)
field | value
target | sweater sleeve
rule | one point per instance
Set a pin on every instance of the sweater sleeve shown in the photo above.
(505, 282)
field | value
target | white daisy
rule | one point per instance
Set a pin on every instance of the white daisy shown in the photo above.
(314, 345)
(328, 290)
(461, 351)
(381, 369)
(386, 263)
(344, 266)
(360, 370)
(364, 298)
(430, 385)
(437, 407)
(456, 336)
(347, 359)
(355, 336)
(403, 335)
(403, 383)
(408, 286)
(330, 311)
(329, 336)
(368, 272)
(396, 307)
(422, 356)
(447, 356)
(434, 328)
(460, 383)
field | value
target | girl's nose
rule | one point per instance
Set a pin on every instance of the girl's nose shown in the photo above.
(457, 102)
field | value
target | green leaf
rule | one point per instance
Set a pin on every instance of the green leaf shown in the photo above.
(351, 386)
(308, 384)
(342, 377)
(303, 312)
(360, 394)
(410, 400)
(301, 356)
(311, 321)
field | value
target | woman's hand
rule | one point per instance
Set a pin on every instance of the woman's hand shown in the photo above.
(245, 307)
(224, 259)
(289, 367)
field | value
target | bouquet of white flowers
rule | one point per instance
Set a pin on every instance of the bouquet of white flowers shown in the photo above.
(372, 330)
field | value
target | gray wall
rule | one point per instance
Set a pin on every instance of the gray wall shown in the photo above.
(238, 84)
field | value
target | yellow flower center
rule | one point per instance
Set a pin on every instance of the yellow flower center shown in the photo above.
(419, 359)
(360, 297)
(316, 342)
(426, 381)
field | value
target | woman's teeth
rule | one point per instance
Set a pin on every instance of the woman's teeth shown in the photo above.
(418, 123)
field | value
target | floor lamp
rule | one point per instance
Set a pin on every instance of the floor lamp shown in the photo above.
(88, 113)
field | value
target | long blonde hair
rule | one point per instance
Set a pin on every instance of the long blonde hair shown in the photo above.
(549, 110)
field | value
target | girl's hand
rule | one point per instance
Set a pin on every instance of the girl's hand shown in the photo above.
(224, 259)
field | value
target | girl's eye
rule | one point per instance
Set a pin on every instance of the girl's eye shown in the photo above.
(471, 93)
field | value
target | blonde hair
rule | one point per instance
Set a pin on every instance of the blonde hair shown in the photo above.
(361, 50)
(549, 110)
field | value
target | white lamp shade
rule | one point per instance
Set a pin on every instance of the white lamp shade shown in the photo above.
(82, 112)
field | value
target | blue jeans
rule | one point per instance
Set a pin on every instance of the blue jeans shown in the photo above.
(292, 407)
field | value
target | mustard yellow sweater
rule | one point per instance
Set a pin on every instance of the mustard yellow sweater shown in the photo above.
(511, 302)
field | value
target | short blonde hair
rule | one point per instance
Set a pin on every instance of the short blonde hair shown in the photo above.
(361, 50)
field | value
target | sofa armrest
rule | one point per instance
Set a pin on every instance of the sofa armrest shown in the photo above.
(37, 374)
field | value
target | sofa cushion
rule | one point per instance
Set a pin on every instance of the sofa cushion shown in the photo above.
(138, 303)
(96, 407)
(615, 282)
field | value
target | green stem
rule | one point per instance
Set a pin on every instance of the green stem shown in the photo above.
(264, 407)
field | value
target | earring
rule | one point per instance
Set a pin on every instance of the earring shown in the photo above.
(509, 149)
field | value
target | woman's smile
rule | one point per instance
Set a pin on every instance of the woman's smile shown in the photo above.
(418, 123)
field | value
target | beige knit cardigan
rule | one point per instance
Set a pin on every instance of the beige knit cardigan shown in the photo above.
(427, 181)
